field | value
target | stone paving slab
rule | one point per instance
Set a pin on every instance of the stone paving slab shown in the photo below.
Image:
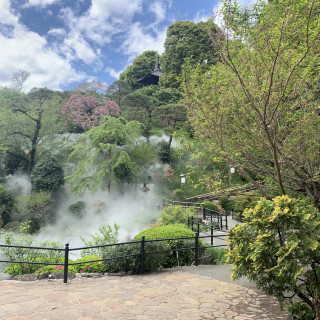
(161, 295)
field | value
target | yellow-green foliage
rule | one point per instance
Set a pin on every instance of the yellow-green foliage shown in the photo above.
(176, 215)
(278, 247)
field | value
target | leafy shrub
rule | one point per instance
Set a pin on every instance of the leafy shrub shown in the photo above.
(13, 226)
(106, 235)
(176, 215)
(301, 311)
(34, 208)
(47, 175)
(7, 205)
(215, 255)
(25, 254)
(96, 267)
(243, 202)
(78, 208)
(164, 152)
(179, 195)
(277, 247)
(152, 261)
(209, 205)
(169, 232)
(226, 203)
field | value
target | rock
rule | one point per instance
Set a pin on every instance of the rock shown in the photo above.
(60, 275)
(116, 274)
(26, 277)
(5, 276)
(43, 276)
(89, 274)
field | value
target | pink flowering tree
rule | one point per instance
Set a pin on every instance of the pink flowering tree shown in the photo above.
(86, 111)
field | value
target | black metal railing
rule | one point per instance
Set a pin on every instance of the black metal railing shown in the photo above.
(141, 255)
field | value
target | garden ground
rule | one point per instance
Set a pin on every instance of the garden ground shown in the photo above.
(169, 294)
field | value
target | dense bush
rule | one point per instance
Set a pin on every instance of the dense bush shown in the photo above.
(47, 175)
(7, 205)
(209, 205)
(78, 209)
(164, 152)
(226, 203)
(152, 261)
(214, 256)
(301, 311)
(243, 202)
(176, 215)
(278, 247)
(25, 254)
(185, 257)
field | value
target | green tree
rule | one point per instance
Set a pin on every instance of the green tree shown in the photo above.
(258, 108)
(186, 40)
(26, 120)
(7, 205)
(170, 116)
(118, 90)
(47, 175)
(141, 66)
(278, 248)
(97, 154)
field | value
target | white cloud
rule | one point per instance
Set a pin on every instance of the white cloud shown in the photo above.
(113, 73)
(159, 10)
(202, 16)
(29, 51)
(6, 14)
(57, 32)
(39, 3)
(138, 40)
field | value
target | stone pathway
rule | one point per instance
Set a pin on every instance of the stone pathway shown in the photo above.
(161, 295)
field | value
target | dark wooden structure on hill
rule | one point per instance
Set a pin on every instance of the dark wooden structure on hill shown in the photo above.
(152, 77)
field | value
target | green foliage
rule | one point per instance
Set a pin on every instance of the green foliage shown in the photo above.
(96, 154)
(24, 254)
(185, 257)
(141, 66)
(152, 261)
(179, 195)
(107, 234)
(124, 169)
(258, 107)
(7, 205)
(176, 215)
(301, 311)
(164, 152)
(209, 205)
(242, 202)
(78, 208)
(226, 203)
(13, 226)
(215, 255)
(186, 40)
(96, 267)
(47, 175)
(35, 208)
(277, 247)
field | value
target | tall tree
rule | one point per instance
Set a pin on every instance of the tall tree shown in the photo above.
(186, 40)
(258, 108)
(141, 66)
(98, 158)
(170, 116)
(26, 120)
(117, 90)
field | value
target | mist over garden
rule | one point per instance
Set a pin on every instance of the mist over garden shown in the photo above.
(226, 105)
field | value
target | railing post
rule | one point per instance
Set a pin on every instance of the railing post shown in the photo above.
(196, 249)
(198, 225)
(188, 222)
(66, 263)
(226, 222)
(220, 216)
(212, 235)
(142, 254)
(204, 213)
(192, 223)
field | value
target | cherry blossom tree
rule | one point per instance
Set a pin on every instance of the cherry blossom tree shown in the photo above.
(86, 111)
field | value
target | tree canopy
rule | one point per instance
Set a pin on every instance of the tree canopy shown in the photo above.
(186, 40)
(258, 107)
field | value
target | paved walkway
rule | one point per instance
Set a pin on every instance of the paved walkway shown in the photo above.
(172, 294)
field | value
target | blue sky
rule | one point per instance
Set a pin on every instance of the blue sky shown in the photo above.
(66, 42)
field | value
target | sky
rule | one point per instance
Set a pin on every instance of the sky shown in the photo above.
(62, 43)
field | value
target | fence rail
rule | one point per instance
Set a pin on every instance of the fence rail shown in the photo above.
(141, 255)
